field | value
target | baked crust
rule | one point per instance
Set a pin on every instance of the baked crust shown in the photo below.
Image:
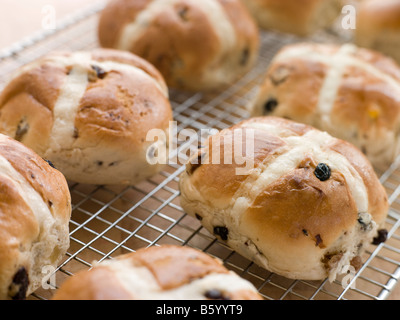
(281, 214)
(89, 113)
(164, 270)
(196, 45)
(380, 14)
(35, 209)
(350, 92)
(378, 26)
(291, 16)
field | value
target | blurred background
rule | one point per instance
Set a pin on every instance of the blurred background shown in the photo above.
(21, 18)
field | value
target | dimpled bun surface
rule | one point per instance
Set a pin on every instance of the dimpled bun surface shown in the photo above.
(35, 209)
(166, 272)
(89, 113)
(307, 207)
(197, 45)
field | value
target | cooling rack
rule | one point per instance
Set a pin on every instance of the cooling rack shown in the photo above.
(109, 221)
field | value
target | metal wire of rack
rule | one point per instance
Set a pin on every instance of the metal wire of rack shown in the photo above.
(109, 221)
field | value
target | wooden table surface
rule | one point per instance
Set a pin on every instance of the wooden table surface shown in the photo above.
(21, 18)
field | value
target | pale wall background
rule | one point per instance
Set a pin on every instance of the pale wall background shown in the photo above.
(20, 18)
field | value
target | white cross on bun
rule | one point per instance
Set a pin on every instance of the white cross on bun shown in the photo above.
(350, 92)
(164, 272)
(35, 209)
(308, 206)
(197, 45)
(89, 113)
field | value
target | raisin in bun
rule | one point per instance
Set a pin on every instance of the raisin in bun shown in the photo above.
(378, 26)
(306, 206)
(350, 92)
(197, 45)
(89, 113)
(158, 273)
(35, 208)
(293, 16)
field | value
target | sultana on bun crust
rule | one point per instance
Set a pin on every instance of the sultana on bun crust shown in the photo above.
(165, 272)
(350, 92)
(309, 206)
(196, 45)
(89, 113)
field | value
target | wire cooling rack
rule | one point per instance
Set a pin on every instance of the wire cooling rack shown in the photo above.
(109, 221)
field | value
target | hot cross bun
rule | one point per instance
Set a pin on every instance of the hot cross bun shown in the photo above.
(306, 207)
(89, 112)
(35, 210)
(164, 272)
(197, 45)
(350, 92)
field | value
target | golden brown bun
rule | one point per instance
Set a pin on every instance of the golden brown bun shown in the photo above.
(196, 45)
(89, 113)
(293, 16)
(166, 272)
(350, 92)
(378, 26)
(282, 213)
(35, 209)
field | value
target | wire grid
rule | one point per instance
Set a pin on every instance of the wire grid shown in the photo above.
(110, 221)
